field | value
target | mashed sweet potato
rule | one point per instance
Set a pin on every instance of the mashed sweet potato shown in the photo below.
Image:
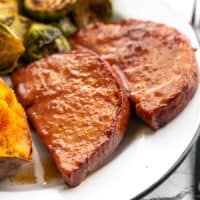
(15, 138)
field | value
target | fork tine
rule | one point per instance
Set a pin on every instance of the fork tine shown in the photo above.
(193, 20)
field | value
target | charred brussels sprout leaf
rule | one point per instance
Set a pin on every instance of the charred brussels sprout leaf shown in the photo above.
(17, 23)
(10, 4)
(88, 11)
(48, 9)
(66, 26)
(43, 40)
(11, 50)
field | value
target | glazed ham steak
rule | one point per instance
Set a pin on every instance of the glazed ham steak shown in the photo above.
(77, 107)
(158, 63)
(78, 101)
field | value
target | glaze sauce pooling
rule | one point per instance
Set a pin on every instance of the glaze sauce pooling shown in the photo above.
(26, 174)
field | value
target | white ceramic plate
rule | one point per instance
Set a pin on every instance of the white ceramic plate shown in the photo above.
(143, 157)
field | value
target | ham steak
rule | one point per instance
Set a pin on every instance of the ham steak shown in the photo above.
(157, 61)
(78, 101)
(77, 107)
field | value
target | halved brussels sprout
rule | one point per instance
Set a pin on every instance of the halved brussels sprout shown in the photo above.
(48, 9)
(19, 24)
(66, 26)
(10, 4)
(11, 50)
(43, 40)
(88, 11)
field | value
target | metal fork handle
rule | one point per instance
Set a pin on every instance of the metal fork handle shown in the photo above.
(193, 19)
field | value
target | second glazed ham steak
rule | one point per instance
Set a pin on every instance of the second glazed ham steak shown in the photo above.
(77, 107)
(157, 61)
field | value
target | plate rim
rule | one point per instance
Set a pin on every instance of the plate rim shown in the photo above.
(185, 153)
(165, 176)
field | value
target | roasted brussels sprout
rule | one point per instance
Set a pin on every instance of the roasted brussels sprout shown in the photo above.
(10, 4)
(11, 50)
(88, 11)
(43, 40)
(19, 24)
(48, 9)
(66, 26)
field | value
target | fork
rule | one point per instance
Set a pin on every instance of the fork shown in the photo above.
(195, 20)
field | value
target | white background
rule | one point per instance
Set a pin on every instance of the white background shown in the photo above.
(184, 7)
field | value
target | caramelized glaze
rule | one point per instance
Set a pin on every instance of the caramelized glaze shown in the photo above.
(157, 61)
(78, 108)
